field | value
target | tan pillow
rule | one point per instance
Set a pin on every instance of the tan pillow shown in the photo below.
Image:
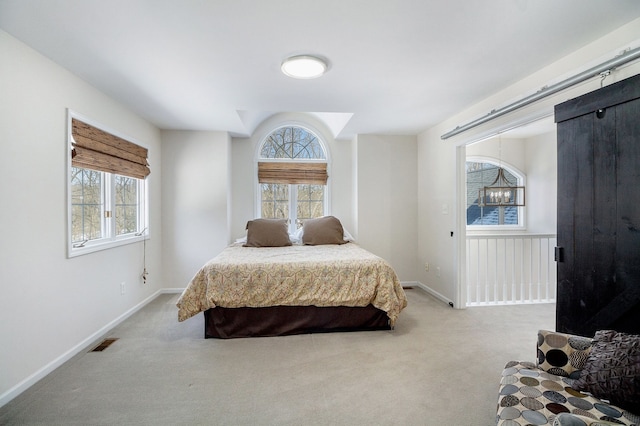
(267, 233)
(323, 230)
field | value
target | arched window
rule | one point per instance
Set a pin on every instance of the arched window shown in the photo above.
(483, 173)
(292, 175)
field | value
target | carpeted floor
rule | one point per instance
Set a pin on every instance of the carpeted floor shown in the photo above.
(440, 366)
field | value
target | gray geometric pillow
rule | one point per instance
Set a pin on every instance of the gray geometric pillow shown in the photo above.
(612, 370)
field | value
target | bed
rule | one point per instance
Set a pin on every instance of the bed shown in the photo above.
(293, 287)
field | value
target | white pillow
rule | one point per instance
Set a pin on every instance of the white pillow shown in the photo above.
(347, 235)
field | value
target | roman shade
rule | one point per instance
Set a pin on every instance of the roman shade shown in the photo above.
(96, 149)
(292, 172)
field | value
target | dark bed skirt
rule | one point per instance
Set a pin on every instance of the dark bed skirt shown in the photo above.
(227, 323)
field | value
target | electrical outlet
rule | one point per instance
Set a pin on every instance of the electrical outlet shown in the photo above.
(426, 266)
(122, 288)
(438, 271)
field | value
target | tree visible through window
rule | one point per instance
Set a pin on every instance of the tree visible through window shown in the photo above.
(291, 192)
(126, 205)
(292, 143)
(86, 204)
(92, 208)
(479, 175)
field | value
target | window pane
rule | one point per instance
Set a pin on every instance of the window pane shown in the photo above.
(310, 203)
(480, 175)
(126, 208)
(92, 224)
(126, 219)
(275, 201)
(86, 204)
(292, 143)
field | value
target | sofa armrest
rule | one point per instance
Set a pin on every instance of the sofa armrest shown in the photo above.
(562, 354)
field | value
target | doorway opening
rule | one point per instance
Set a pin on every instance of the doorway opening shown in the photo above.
(509, 261)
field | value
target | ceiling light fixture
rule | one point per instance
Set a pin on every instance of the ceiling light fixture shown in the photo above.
(304, 66)
(502, 192)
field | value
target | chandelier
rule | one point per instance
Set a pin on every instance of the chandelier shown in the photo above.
(502, 193)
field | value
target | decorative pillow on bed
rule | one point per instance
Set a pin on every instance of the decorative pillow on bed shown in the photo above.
(323, 230)
(612, 370)
(267, 233)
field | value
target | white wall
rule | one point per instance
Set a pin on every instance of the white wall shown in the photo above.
(511, 151)
(541, 154)
(195, 200)
(439, 160)
(52, 306)
(387, 200)
(242, 185)
(436, 214)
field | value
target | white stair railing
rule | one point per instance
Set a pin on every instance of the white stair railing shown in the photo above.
(511, 269)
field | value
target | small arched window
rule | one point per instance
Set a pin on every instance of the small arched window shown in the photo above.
(483, 173)
(292, 176)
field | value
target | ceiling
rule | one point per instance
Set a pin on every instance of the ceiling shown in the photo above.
(396, 66)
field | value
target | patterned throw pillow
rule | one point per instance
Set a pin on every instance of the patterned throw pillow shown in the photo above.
(612, 370)
(562, 354)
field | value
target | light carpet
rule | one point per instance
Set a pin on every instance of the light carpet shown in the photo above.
(439, 366)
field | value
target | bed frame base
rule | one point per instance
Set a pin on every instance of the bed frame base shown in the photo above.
(227, 323)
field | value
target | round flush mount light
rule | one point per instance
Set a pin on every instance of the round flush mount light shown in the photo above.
(304, 66)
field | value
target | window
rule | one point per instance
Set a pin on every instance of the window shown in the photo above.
(87, 205)
(94, 212)
(484, 173)
(107, 189)
(292, 176)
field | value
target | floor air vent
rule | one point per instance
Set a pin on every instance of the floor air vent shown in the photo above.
(104, 345)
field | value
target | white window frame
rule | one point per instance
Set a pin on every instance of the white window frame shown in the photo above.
(109, 238)
(522, 214)
(293, 188)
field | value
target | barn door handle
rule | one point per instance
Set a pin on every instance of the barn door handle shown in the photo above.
(559, 254)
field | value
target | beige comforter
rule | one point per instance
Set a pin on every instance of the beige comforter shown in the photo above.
(298, 275)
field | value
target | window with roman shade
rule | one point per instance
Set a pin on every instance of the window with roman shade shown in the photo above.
(107, 189)
(292, 171)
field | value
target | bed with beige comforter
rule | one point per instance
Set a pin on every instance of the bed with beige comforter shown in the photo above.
(297, 275)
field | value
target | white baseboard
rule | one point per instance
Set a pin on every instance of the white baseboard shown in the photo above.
(406, 284)
(431, 291)
(83, 345)
(172, 290)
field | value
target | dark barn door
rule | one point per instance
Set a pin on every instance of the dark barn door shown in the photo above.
(599, 210)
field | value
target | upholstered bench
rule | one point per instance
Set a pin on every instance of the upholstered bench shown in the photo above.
(569, 382)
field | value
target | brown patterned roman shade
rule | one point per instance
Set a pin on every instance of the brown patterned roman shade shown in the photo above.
(96, 149)
(292, 172)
